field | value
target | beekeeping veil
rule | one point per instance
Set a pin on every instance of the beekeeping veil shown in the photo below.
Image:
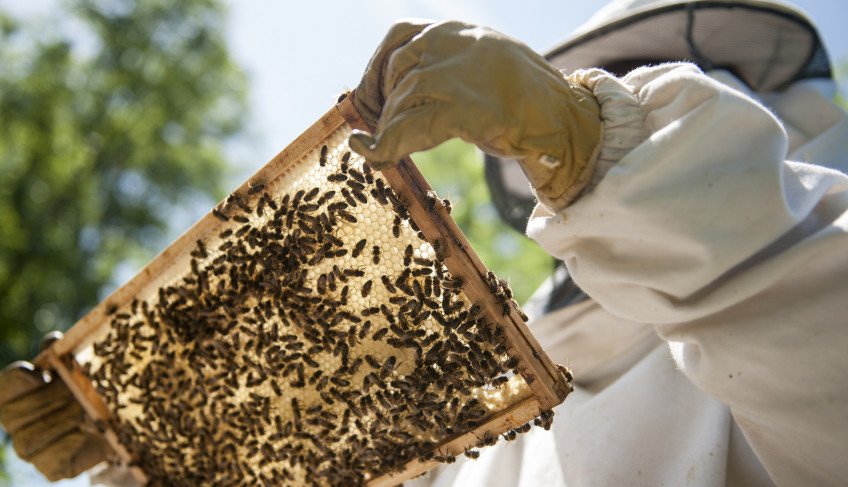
(766, 44)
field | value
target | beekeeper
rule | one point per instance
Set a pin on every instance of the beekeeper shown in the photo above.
(700, 204)
(701, 207)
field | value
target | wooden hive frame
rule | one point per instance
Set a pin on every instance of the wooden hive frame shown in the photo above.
(549, 384)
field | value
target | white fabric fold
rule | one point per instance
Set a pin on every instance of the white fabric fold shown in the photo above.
(717, 224)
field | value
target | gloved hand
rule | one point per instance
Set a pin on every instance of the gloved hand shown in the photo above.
(46, 424)
(430, 82)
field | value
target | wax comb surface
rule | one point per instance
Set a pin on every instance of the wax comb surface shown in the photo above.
(316, 328)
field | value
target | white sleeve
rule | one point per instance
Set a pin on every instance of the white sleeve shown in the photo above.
(739, 258)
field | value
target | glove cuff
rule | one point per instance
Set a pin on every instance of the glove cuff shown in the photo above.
(559, 177)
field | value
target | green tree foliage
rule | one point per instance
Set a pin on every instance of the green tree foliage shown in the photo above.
(108, 114)
(455, 171)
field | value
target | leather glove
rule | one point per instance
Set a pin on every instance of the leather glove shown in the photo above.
(430, 82)
(46, 424)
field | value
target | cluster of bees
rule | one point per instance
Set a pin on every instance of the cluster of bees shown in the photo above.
(316, 338)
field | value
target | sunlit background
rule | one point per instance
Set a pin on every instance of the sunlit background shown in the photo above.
(298, 56)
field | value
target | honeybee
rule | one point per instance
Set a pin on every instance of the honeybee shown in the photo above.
(379, 334)
(322, 160)
(431, 200)
(366, 288)
(444, 458)
(219, 215)
(254, 188)
(447, 204)
(233, 198)
(358, 248)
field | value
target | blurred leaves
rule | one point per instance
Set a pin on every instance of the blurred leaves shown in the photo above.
(109, 113)
(455, 171)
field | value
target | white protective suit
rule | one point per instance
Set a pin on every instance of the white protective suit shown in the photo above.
(715, 247)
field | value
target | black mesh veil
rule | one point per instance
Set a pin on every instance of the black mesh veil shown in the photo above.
(510, 191)
(766, 44)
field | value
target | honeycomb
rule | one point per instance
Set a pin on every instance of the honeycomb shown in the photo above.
(313, 337)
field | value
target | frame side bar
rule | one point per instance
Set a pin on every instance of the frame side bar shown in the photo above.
(94, 407)
(547, 383)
